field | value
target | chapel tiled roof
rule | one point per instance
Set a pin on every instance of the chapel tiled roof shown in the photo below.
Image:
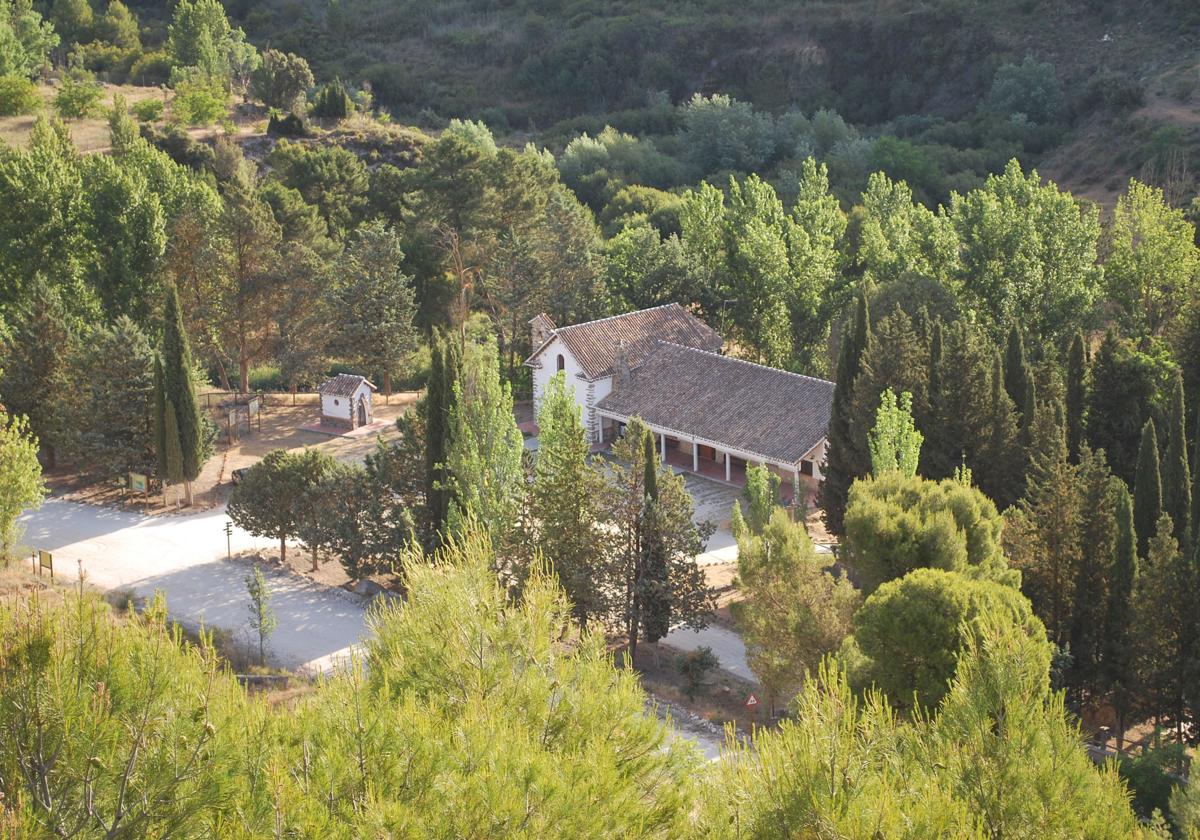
(777, 415)
(343, 385)
(596, 344)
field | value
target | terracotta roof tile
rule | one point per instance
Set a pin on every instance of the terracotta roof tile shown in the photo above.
(343, 385)
(596, 344)
(777, 415)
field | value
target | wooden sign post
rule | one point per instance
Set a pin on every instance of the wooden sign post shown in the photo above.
(45, 561)
(140, 483)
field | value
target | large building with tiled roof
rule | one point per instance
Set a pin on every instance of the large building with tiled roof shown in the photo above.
(712, 413)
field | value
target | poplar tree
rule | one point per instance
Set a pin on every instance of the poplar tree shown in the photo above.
(180, 391)
(1076, 395)
(842, 465)
(565, 504)
(483, 462)
(21, 484)
(895, 442)
(761, 495)
(1118, 673)
(1147, 489)
(1176, 477)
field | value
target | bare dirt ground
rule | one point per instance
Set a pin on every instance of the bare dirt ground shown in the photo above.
(91, 135)
(281, 429)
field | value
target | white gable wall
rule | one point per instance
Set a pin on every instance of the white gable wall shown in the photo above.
(342, 407)
(335, 406)
(587, 394)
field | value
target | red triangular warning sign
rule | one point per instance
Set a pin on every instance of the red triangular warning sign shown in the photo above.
(751, 702)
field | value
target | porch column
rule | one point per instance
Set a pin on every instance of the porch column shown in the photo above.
(796, 486)
(663, 446)
(727, 460)
(695, 457)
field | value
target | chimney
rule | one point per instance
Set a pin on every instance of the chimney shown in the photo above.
(621, 367)
(540, 329)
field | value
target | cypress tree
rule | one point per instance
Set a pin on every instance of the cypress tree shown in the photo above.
(935, 368)
(1195, 515)
(180, 392)
(160, 420)
(1028, 411)
(172, 449)
(439, 406)
(1118, 671)
(1076, 395)
(654, 586)
(1147, 489)
(1001, 473)
(1097, 543)
(840, 470)
(433, 407)
(1016, 371)
(1176, 477)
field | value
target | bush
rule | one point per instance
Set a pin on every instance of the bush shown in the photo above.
(332, 102)
(199, 101)
(18, 96)
(79, 96)
(148, 110)
(1152, 776)
(266, 378)
(695, 667)
(289, 125)
(1028, 88)
(152, 68)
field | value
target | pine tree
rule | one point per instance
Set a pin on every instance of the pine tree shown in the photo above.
(654, 580)
(1163, 619)
(180, 391)
(680, 540)
(1119, 674)
(35, 366)
(961, 420)
(1176, 477)
(1016, 372)
(1076, 395)
(842, 466)
(1147, 489)
(1044, 536)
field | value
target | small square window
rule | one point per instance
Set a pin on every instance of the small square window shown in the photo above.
(335, 402)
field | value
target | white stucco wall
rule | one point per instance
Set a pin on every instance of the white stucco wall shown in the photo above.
(344, 405)
(342, 409)
(575, 380)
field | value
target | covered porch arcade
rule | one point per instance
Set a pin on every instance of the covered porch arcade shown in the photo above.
(721, 461)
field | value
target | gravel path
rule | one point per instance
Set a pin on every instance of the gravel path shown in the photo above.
(184, 557)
